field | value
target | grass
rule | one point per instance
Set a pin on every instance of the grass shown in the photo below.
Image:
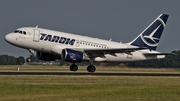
(88, 88)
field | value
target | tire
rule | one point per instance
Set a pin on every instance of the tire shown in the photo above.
(28, 60)
(73, 67)
(91, 68)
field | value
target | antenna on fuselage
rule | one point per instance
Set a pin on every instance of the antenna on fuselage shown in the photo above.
(37, 26)
(110, 39)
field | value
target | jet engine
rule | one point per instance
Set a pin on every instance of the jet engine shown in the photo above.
(70, 55)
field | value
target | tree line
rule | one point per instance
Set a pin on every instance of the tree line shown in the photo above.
(11, 60)
(170, 61)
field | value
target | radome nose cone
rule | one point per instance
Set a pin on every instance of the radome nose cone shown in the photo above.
(8, 38)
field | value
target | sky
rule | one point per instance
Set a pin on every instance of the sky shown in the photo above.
(121, 20)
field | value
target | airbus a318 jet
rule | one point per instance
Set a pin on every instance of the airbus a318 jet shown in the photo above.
(51, 45)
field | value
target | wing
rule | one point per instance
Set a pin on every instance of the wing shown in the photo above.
(102, 52)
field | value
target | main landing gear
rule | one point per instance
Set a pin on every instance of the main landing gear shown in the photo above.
(31, 54)
(91, 68)
(73, 67)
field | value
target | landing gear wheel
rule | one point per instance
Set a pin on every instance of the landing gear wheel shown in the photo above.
(31, 56)
(91, 68)
(28, 60)
(73, 67)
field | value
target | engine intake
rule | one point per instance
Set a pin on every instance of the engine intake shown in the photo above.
(70, 55)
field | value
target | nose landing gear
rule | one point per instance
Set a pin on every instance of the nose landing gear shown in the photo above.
(31, 55)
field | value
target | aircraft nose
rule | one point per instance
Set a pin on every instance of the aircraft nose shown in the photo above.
(8, 37)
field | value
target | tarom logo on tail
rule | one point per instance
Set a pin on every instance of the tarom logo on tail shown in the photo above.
(151, 35)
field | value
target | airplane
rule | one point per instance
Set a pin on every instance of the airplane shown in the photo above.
(51, 45)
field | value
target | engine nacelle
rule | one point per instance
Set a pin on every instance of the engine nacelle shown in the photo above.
(46, 56)
(70, 55)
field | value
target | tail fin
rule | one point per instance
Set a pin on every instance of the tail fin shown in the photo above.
(151, 35)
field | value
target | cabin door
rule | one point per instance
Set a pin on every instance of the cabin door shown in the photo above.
(36, 35)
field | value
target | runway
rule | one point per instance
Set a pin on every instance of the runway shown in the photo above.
(92, 74)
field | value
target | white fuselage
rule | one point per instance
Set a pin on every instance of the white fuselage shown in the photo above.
(44, 40)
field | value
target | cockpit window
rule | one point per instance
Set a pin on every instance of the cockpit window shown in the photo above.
(16, 31)
(21, 32)
(24, 32)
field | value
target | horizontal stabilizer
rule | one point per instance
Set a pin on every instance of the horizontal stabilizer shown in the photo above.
(153, 54)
